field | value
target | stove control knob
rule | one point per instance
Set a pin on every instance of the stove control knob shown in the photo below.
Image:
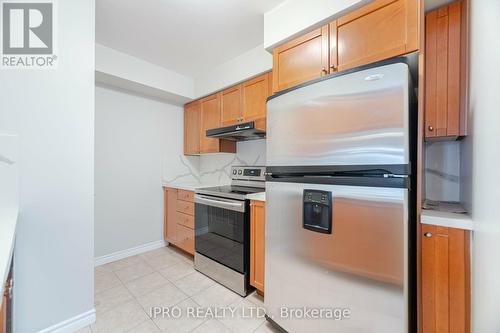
(240, 172)
(234, 172)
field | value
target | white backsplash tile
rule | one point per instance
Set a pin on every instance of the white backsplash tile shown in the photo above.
(442, 170)
(214, 168)
(181, 169)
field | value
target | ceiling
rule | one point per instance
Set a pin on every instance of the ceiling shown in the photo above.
(186, 36)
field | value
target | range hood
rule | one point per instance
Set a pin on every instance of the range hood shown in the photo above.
(239, 132)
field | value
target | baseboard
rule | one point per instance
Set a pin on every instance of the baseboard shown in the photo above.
(72, 324)
(129, 252)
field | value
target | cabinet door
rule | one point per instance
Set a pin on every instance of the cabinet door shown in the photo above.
(300, 60)
(231, 106)
(210, 118)
(170, 229)
(255, 93)
(192, 128)
(185, 238)
(377, 31)
(257, 244)
(3, 314)
(443, 66)
(334, 62)
(445, 280)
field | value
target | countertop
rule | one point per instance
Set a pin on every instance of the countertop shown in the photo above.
(445, 219)
(261, 196)
(191, 186)
(8, 222)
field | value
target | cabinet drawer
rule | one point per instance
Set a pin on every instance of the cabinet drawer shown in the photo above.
(185, 238)
(185, 220)
(185, 195)
(185, 207)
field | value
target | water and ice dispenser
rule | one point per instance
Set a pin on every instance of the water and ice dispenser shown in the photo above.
(317, 211)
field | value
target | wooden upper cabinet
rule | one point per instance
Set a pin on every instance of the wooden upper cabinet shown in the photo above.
(300, 60)
(231, 108)
(333, 61)
(380, 30)
(211, 118)
(445, 68)
(257, 244)
(445, 280)
(192, 115)
(254, 96)
(377, 31)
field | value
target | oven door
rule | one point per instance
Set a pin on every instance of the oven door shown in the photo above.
(221, 230)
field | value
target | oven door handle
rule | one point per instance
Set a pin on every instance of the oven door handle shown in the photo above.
(237, 206)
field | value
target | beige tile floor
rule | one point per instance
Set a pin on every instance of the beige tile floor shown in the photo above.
(125, 291)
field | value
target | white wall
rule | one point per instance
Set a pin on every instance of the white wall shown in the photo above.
(485, 152)
(293, 17)
(243, 67)
(9, 178)
(139, 144)
(53, 113)
(138, 141)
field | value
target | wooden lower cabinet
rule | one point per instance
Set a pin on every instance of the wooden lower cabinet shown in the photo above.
(445, 288)
(257, 244)
(3, 315)
(170, 198)
(185, 238)
(179, 218)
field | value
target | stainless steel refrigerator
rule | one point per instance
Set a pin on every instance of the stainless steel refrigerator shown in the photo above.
(339, 206)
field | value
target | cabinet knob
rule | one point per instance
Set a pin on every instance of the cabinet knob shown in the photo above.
(333, 67)
(431, 128)
(324, 70)
(428, 234)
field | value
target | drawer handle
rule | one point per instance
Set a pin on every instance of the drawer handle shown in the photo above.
(428, 234)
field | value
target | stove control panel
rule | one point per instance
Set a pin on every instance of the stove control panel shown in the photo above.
(248, 173)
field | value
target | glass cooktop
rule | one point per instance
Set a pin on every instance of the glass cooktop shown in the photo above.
(230, 191)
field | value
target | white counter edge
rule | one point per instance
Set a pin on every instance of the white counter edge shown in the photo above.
(444, 219)
(192, 186)
(261, 196)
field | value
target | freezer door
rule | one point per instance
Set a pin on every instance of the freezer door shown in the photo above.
(359, 118)
(357, 271)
